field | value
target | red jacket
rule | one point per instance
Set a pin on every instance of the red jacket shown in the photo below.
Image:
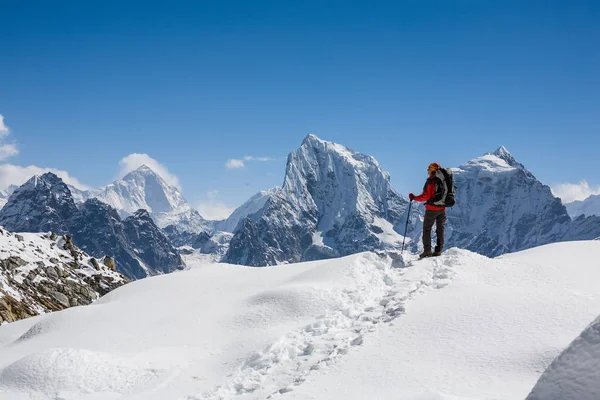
(429, 194)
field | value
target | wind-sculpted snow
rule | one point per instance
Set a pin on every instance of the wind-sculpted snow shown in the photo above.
(371, 325)
(334, 201)
(575, 374)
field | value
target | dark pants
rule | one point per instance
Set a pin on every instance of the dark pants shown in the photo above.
(431, 217)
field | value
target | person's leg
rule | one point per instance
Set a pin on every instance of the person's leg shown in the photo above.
(440, 222)
(428, 222)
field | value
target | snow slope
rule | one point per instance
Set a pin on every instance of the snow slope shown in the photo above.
(460, 326)
(575, 374)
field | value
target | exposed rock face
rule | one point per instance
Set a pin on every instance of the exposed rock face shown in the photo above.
(43, 273)
(45, 203)
(334, 202)
(100, 231)
(151, 245)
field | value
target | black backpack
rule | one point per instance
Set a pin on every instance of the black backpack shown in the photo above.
(450, 199)
(445, 191)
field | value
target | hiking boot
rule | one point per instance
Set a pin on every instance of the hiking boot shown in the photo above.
(438, 251)
(426, 253)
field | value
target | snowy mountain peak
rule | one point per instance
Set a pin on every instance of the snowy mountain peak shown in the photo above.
(142, 188)
(334, 201)
(503, 154)
(48, 179)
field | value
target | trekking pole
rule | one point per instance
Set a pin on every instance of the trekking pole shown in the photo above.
(406, 227)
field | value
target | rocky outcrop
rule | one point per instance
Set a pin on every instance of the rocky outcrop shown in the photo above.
(41, 273)
(150, 244)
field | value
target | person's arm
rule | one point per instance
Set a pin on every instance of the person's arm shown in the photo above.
(427, 194)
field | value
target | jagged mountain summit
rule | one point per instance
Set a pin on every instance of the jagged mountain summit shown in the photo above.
(145, 189)
(501, 207)
(334, 201)
(45, 203)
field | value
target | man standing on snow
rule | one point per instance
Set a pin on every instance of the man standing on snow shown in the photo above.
(435, 211)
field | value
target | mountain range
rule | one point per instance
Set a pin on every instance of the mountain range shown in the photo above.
(334, 201)
(45, 204)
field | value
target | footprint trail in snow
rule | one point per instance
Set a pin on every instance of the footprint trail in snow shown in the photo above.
(291, 360)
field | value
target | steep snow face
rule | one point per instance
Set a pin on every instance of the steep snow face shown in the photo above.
(334, 201)
(249, 208)
(501, 207)
(589, 206)
(575, 374)
(142, 189)
(145, 189)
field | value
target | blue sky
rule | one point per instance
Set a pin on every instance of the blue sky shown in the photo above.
(83, 85)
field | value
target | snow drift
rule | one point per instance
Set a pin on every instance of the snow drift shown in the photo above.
(461, 326)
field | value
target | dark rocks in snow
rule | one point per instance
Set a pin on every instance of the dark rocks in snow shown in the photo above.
(46, 283)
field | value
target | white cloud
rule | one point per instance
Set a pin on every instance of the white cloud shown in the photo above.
(136, 160)
(214, 209)
(569, 192)
(17, 175)
(233, 163)
(237, 163)
(7, 150)
(3, 128)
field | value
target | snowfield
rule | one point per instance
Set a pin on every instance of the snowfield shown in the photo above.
(366, 326)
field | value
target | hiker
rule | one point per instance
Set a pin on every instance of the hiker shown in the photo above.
(434, 195)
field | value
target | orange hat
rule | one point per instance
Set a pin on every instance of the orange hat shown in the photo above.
(433, 167)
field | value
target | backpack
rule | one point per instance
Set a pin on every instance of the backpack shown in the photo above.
(445, 191)
(450, 199)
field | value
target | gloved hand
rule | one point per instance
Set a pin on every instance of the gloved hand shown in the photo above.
(411, 197)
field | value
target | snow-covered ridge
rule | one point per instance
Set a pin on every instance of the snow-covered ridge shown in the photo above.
(589, 206)
(249, 208)
(40, 273)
